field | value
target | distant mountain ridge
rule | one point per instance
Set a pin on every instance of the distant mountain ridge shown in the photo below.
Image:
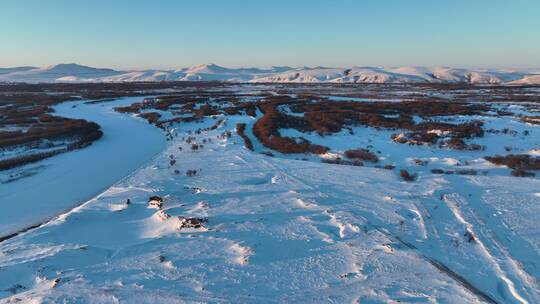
(15, 69)
(211, 72)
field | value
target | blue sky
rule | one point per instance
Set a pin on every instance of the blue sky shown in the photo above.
(169, 33)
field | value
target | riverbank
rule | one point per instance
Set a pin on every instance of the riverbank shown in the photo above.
(67, 180)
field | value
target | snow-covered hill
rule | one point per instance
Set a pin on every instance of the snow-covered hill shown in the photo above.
(535, 78)
(395, 75)
(16, 69)
(203, 72)
(59, 73)
(213, 72)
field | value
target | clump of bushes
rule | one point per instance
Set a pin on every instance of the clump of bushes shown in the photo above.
(191, 222)
(191, 172)
(362, 154)
(516, 161)
(534, 120)
(9, 163)
(476, 147)
(339, 161)
(461, 172)
(217, 124)
(522, 173)
(469, 235)
(80, 133)
(151, 117)
(225, 135)
(155, 202)
(456, 143)
(467, 172)
(51, 128)
(267, 128)
(406, 176)
(241, 130)
(440, 171)
(420, 162)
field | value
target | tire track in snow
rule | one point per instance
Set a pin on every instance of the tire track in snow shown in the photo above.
(441, 267)
(437, 264)
(454, 202)
(453, 206)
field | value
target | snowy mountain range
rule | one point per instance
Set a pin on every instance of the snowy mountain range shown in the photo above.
(211, 72)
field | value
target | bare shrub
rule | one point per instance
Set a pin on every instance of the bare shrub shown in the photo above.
(406, 176)
(362, 154)
(155, 202)
(420, 162)
(456, 143)
(191, 222)
(469, 236)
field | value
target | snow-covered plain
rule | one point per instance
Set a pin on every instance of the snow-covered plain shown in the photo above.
(282, 229)
(213, 72)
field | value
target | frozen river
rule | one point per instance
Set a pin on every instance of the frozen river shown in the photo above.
(69, 179)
